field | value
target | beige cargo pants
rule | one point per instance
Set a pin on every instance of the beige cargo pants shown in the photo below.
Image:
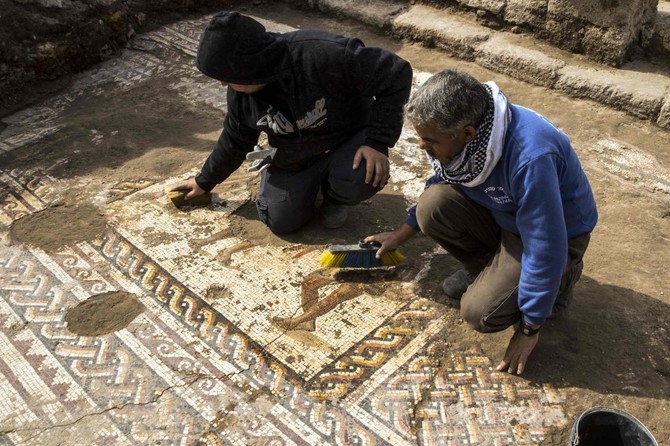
(470, 234)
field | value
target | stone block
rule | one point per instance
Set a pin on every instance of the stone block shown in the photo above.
(639, 94)
(659, 40)
(495, 7)
(376, 12)
(534, 66)
(532, 13)
(603, 30)
(664, 115)
(441, 29)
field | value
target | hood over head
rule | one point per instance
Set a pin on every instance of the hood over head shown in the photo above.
(237, 49)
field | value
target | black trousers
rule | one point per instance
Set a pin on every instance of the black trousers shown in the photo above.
(287, 199)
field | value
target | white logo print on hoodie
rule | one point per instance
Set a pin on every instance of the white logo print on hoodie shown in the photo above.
(279, 124)
(313, 118)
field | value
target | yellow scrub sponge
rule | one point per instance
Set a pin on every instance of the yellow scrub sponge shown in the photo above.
(178, 198)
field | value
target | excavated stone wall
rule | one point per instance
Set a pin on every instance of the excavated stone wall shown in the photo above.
(606, 31)
(41, 41)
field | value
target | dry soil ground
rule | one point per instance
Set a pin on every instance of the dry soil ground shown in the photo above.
(613, 347)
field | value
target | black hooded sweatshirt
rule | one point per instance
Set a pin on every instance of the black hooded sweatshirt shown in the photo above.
(321, 89)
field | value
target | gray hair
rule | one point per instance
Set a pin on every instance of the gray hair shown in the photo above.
(448, 100)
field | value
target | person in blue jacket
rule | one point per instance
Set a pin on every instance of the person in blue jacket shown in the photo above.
(508, 199)
(330, 106)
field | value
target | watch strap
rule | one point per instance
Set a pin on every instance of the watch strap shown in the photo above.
(528, 330)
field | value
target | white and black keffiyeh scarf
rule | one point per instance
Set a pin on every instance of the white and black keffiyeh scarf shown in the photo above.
(478, 158)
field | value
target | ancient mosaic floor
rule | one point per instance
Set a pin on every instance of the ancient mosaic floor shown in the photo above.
(237, 343)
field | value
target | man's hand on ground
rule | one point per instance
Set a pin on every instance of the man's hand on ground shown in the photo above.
(518, 351)
(378, 167)
(189, 185)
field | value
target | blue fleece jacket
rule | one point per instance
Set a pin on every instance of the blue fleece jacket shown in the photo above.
(538, 191)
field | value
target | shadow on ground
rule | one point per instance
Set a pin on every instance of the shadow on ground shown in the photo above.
(384, 212)
(611, 339)
(147, 131)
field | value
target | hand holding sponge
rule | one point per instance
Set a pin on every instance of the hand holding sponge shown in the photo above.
(178, 198)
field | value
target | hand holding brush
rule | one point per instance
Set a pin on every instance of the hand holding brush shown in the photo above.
(360, 255)
(375, 250)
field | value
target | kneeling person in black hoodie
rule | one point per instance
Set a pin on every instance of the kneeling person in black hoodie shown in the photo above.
(330, 105)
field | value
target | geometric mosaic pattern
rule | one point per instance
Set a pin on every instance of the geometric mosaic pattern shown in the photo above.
(368, 368)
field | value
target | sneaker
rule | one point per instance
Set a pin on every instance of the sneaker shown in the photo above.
(333, 216)
(455, 285)
(564, 296)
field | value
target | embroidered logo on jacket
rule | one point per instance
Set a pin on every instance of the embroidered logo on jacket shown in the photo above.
(497, 194)
(276, 121)
(313, 118)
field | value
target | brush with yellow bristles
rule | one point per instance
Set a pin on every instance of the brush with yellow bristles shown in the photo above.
(361, 255)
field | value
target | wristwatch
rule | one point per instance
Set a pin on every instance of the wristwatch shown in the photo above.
(528, 330)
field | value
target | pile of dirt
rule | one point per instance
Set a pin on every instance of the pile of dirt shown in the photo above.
(103, 314)
(59, 225)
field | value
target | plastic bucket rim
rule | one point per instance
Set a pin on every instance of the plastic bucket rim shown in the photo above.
(574, 432)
